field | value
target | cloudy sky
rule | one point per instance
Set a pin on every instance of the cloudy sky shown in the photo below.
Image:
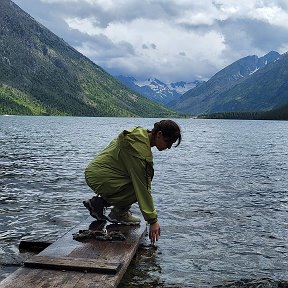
(171, 40)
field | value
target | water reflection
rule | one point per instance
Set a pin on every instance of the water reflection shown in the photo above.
(137, 277)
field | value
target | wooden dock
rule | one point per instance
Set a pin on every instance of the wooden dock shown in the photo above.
(68, 263)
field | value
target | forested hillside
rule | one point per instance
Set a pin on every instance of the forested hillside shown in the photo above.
(42, 75)
(280, 113)
(245, 85)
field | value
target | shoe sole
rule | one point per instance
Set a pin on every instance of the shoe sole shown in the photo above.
(88, 206)
(115, 221)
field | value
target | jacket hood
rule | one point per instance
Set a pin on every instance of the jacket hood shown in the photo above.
(136, 140)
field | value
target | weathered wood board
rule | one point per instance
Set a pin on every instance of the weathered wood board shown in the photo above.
(74, 264)
(67, 263)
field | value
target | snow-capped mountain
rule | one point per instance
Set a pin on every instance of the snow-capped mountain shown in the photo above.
(245, 85)
(157, 90)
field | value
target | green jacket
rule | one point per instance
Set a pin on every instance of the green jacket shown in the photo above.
(123, 171)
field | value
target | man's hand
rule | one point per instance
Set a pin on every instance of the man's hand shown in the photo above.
(154, 232)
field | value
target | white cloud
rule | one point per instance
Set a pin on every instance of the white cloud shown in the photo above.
(88, 25)
(164, 52)
(266, 11)
(168, 39)
(59, 1)
(272, 15)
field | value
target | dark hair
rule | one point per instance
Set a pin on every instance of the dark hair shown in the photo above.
(169, 129)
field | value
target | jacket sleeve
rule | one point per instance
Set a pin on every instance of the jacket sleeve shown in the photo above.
(141, 179)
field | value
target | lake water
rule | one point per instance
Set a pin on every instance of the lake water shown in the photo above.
(221, 196)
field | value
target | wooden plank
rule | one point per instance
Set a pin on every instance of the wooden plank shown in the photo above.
(90, 249)
(74, 264)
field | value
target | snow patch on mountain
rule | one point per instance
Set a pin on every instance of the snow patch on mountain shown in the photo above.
(156, 90)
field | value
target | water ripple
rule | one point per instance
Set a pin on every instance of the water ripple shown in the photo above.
(221, 197)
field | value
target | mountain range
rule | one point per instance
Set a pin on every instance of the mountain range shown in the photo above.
(249, 84)
(156, 90)
(42, 75)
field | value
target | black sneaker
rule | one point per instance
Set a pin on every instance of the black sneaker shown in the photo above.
(96, 206)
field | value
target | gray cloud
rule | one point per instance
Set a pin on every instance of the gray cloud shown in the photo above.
(250, 37)
(168, 39)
